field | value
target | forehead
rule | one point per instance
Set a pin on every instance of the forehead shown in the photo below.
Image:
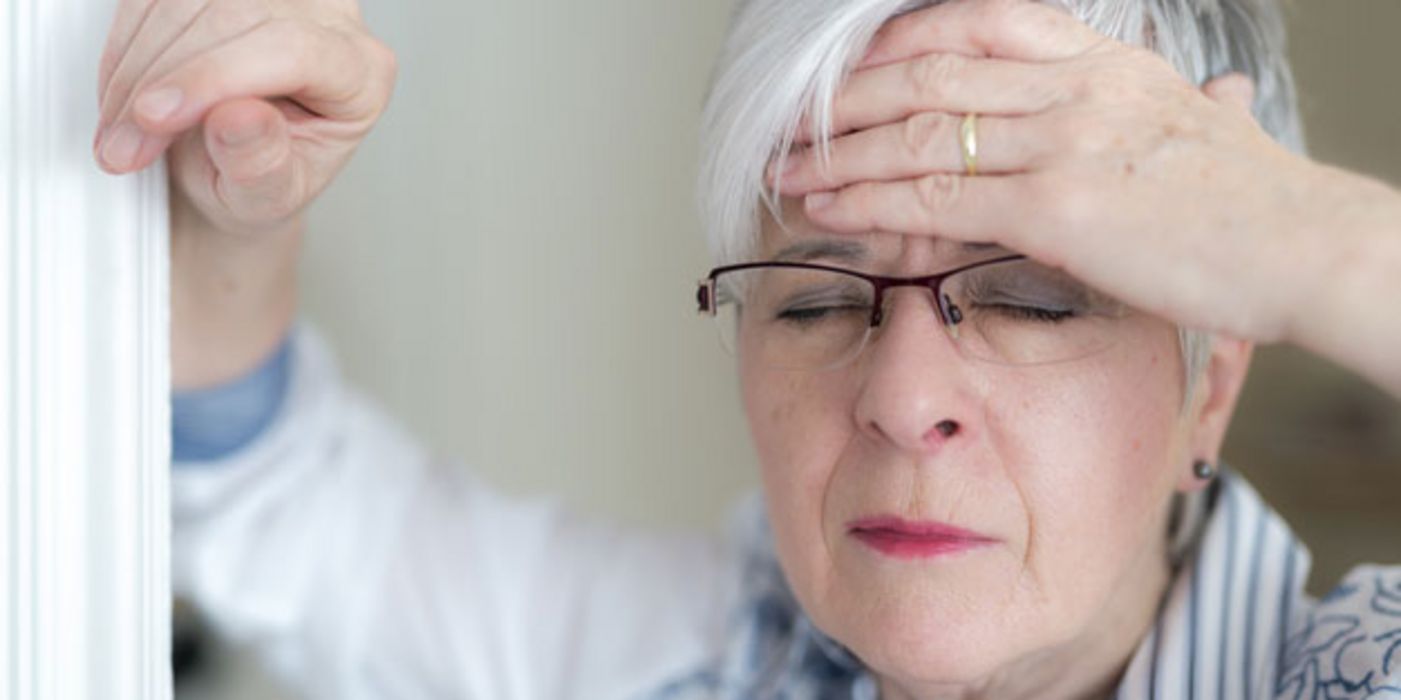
(791, 236)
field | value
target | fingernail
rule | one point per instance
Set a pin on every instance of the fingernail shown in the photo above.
(243, 135)
(159, 105)
(121, 146)
(818, 200)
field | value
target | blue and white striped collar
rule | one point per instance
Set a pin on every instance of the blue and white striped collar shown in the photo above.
(1221, 630)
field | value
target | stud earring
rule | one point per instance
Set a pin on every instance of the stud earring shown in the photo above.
(1204, 470)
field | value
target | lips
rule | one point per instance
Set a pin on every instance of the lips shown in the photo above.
(906, 539)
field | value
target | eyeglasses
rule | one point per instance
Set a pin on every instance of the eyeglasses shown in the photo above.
(1008, 310)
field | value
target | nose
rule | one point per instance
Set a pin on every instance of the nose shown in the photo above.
(916, 394)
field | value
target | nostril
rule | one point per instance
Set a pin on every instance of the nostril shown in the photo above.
(940, 433)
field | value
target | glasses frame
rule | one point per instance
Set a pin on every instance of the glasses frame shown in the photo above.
(949, 315)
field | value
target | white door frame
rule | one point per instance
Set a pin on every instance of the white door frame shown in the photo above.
(84, 379)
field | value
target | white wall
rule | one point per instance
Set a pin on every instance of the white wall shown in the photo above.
(509, 263)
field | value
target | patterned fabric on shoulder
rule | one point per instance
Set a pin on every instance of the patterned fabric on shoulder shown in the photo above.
(1349, 645)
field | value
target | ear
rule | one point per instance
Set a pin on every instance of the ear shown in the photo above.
(1236, 89)
(1213, 403)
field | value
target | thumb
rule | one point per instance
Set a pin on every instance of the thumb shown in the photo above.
(1232, 89)
(250, 146)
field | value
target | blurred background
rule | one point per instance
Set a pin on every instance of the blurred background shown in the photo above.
(508, 266)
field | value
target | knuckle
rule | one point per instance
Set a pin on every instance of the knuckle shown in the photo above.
(925, 132)
(384, 56)
(370, 73)
(936, 75)
(384, 68)
(938, 191)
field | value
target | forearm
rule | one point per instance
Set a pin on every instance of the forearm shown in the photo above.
(1354, 316)
(233, 296)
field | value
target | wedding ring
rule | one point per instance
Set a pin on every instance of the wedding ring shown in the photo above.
(968, 141)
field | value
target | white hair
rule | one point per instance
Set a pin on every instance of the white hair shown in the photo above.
(786, 58)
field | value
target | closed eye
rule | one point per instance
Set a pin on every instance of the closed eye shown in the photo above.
(1019, 312)
(810, 315)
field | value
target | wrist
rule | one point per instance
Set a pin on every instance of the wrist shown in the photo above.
(1354, 276)
(233, 295)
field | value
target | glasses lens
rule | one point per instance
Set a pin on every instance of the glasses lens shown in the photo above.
(1023, 313)
(793, 318)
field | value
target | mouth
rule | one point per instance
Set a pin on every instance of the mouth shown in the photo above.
(906, 539)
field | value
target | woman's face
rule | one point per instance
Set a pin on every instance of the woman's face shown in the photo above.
(1058, 476)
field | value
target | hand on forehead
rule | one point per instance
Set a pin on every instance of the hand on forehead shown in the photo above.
(1012, 122)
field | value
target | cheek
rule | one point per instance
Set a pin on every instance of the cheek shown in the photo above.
(800, 424)
(1091, 454)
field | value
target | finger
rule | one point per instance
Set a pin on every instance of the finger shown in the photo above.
(174, 31)
(250, 147)
(970, 209)
(926, 143)
(1234, 89)
(123, 148)
(318, 68)
(125, 23)
(942, 83)
(1015, 29)
(322, 70)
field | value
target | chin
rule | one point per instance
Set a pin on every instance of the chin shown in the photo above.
(956, 625)
(919, 643)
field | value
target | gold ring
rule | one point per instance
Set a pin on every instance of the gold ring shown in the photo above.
(968, 141)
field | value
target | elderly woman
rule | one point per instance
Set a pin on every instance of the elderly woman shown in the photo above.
(991, 271)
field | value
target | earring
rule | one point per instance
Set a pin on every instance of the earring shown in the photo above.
(1204, 470)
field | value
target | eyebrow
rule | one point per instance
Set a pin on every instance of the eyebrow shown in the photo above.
(804, 251)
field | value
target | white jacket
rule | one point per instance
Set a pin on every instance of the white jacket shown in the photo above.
(362, 567)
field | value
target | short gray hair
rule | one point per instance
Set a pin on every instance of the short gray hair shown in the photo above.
(786, 58)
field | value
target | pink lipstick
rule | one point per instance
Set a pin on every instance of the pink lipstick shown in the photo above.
(905, 539)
